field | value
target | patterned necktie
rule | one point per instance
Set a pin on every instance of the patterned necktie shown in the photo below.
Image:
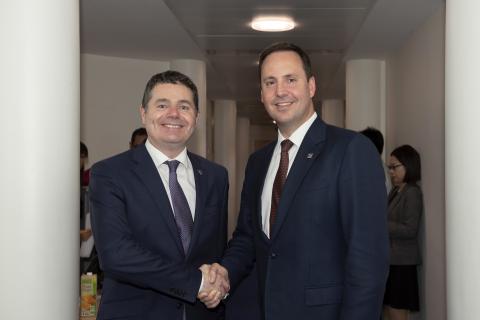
(280, 178)
(181, 210)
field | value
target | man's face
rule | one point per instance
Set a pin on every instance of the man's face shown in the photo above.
(286, 91)
(169, 117)
(138, 139)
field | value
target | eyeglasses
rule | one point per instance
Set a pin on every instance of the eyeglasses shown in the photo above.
(394, 166)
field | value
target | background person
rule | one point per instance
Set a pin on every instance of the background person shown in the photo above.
(84, 173)
(405, 207)
(139, 136)
(377, 139)
(88, 255)
(85, 234)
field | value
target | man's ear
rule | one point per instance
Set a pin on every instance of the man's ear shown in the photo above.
(142, 114)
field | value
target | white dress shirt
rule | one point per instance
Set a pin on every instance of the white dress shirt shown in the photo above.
(185, 175)
(297, 138)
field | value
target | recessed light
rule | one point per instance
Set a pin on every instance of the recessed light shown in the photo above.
(272, 24)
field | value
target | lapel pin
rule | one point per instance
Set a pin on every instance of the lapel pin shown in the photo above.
(309, 156)
(200, 172)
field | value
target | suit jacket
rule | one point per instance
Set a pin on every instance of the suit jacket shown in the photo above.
(404, 211)
(147, 274)
(327, 257)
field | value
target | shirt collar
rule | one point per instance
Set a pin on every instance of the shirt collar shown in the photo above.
(297, 136)
(159, 157)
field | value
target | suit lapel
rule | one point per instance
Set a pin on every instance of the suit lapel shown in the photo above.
(200, 196)
(147, 172)
(309, 150)
(261, 174)
(396, 198)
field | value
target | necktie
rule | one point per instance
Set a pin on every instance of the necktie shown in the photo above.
(279, 181)
(181, 210)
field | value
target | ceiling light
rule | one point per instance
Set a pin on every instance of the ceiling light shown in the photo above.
(273, 24)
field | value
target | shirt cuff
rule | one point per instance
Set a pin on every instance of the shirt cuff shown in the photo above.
(201, 284)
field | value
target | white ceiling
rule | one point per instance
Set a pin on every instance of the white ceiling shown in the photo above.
(217, 31)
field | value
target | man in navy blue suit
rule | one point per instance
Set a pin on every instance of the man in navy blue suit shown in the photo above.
(313, 209)
(159, 214)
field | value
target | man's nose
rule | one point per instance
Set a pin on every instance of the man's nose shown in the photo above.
(173, 111)
(281, 89)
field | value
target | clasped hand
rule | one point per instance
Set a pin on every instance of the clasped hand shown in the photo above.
(215, 285)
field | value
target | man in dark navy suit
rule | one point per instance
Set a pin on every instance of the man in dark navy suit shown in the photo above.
(313, 209)
(159, 214)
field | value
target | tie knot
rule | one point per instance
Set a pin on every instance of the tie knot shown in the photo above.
(286, 145)
(172, 165)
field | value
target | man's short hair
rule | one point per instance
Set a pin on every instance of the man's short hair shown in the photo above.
(375, 136)
(173, 77)
(285, 46)
(410, 159)
(138, 132)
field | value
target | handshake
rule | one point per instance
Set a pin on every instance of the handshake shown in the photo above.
(215, 285)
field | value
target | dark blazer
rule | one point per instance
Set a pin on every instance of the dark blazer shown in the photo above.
(147, 275)
(404, 212)
(328, 253)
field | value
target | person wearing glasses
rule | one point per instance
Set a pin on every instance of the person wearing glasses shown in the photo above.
(405, 207)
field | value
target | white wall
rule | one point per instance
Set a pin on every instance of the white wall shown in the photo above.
(111, 93)
(365, 94)
(415, 116)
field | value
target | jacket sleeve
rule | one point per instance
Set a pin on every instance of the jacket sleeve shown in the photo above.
(363, 209)
(223, 226)
(121, 256)
(407, 227)
(240, 255)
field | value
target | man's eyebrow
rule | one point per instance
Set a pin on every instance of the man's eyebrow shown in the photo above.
(161, 100)
(268, 78)
(185, 101)
(289, 75)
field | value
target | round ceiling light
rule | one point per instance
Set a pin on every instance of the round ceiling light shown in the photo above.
(273, 24)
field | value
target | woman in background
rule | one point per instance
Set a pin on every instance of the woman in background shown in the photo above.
(84, 180)
(405, 207)
(84, 174)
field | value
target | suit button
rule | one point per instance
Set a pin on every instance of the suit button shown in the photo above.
(179, 305)
(273, 255)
